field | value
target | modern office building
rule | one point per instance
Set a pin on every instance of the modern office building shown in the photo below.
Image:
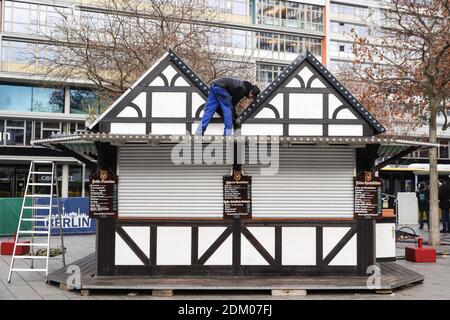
(272, 32)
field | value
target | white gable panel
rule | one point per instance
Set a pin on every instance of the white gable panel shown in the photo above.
(294, 83)
(316, 83)
(345, 130)
(255, 129)
(305, 129)
(266, 113)
(128, 128)
(345, 114)
(180, 82)
(333, 104)
(305, 74)
(305, 106)
(128, 112)
(197, 102)
(140, 101)
(157, 82)
(277, 102)
(168, 128)
(169, 104)
(169, 72)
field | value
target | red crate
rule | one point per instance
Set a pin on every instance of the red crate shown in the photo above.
(7, 247)
(420, 253)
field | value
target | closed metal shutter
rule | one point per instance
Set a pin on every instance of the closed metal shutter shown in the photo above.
(312, 182)
(151, 185)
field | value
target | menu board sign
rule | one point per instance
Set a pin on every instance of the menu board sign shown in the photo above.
(367, 195)
(103, 194)
(237, 196)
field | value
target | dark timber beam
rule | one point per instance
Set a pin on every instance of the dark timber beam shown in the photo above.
(396, 157)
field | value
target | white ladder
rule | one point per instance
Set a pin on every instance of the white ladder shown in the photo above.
(49, 185)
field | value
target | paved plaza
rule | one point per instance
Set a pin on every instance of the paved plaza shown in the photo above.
(33, 286)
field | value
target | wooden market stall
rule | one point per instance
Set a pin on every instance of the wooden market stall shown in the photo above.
(282, 204)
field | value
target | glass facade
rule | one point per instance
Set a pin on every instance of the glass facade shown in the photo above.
(339, 9)
(84, 101)
(266, 73)
(289, 14)
(268, 41)
(30, 18)
(347, 28)
(16, 97)
(235, 7)
(21, 132)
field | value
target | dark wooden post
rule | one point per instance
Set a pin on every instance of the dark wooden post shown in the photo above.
(366, 237)
(106, 228)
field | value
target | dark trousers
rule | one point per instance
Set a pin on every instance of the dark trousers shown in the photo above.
(445, 220)
(423, 211)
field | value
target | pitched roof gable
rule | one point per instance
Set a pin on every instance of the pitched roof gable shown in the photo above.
(168, 72)
(291, 72)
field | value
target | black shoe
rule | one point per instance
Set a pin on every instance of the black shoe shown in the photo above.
(443, 231)
(421, 227)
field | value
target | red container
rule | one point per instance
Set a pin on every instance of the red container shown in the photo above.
(7, 247)
(420, 253)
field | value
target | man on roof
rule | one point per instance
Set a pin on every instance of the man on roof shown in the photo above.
(226, 94)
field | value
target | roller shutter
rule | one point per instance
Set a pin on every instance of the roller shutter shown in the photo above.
(312, 182)
(151, 185)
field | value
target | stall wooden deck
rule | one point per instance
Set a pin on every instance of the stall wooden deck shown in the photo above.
(393, 276)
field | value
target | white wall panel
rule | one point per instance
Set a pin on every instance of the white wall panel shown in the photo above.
(168, 128)
(128, 128)
(123, 255)
(140, 236)
(254, 129)
(173, 246)
(345, 130)
(298, 246)
(305, 130)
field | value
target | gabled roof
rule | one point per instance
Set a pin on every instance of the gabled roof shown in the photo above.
(290, 72)
(137, 87)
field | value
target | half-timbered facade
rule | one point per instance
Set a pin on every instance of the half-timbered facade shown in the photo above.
(171, 219)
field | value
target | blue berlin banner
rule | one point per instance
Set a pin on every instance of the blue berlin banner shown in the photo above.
(74, 213)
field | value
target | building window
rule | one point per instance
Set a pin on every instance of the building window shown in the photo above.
(290, 15)
(84, 101)
(266, 73)
(348, 10)
(32, 99)
(30, 18)
(287, 43)
(235, 7)
(16, 131)
(348, 28)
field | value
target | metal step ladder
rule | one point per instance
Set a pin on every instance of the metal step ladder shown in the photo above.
(45, 229)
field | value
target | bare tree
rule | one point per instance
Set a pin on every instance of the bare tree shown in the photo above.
(407, 73)
(116, 41)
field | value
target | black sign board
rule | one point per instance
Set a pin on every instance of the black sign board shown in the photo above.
(103, 194)
(367, 195)
(237, 196)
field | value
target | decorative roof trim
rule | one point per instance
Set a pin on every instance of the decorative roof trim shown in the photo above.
(152, 138)
(178, 62)
(257, 105)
